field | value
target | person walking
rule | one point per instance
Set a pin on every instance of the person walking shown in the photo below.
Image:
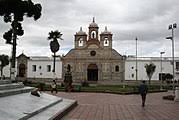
(143, 89)
(54, 86)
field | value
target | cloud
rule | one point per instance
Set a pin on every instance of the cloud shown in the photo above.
(148, 20)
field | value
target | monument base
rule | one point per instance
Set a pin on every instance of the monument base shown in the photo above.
(176, 94)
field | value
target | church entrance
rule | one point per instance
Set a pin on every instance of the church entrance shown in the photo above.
(21, 70)
(92, 72)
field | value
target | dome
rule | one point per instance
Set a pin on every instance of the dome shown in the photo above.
(80, 32)
(93, 24)
(106, 31)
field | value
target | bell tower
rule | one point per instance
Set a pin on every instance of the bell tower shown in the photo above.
(106, 39)
(93, 37)
(80, 39)
(93, 31)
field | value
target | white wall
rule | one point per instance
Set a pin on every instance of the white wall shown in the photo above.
(166, 68)
(42, 73)
(129, 63)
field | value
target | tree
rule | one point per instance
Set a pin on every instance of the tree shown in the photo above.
(13, 12)
(54, 45)
(150, 69)
(4, 61)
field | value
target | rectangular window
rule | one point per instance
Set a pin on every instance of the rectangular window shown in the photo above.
(48, 68)
(177, 66)
(34, 68)
(162, 76)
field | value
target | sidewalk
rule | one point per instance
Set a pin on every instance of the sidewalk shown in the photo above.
(100, 106)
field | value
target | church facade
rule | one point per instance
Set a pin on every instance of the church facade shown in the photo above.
(93, 59)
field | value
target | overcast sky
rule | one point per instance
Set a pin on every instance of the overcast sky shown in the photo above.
(126, 19)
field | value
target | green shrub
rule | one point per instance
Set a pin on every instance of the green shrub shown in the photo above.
(85, 84)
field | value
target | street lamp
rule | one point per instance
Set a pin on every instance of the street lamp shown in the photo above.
(161, 69)
(172, 27)
(136, 60)
(1, 71)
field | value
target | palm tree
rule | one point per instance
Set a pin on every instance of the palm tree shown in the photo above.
(4, 61)
(13, 11)
(54, 45)
(150, 69)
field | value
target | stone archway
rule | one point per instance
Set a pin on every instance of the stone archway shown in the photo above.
(92, 72)
(22, 70)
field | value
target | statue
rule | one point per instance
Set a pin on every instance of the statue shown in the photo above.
(68, 80)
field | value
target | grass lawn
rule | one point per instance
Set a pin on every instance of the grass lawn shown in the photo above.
(116, 89)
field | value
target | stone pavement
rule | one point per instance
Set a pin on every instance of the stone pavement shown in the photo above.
(101, 106)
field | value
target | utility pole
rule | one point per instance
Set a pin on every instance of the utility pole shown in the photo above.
(161, 69)
(136, 61)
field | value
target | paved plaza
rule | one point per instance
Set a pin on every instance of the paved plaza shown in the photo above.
(101, 106)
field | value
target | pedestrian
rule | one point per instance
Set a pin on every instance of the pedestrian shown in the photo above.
(54, 86)
(143, 89)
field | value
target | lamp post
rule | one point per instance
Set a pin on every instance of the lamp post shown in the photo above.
(0, 68)
(136, 60)
(161, 69)
(172, 27)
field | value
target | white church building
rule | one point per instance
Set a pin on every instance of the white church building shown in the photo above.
(40, 68)
(35, 68)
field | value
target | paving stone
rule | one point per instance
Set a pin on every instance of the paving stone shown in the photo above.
(101, 106)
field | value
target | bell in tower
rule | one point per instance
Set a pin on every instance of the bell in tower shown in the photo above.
(93, 30)
(80, 39)
(106, 39)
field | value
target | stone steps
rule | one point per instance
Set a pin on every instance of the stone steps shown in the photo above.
(26, 106)
(9, 92)
(5, 82)
(57, 111)
(17, 103)
(8, 88)
(11, 86)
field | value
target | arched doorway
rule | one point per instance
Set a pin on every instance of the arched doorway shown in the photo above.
(92, 72)
(22, 70)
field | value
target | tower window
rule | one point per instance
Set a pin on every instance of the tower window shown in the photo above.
(80, 42)
(106, 42)
(93, 34)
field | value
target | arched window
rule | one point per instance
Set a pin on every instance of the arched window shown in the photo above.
(106, 42)
(93, 34)
(117, 68)
(80, 42)
(68, 68)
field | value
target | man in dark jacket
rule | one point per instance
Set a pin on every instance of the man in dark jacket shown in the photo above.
(143, 89)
